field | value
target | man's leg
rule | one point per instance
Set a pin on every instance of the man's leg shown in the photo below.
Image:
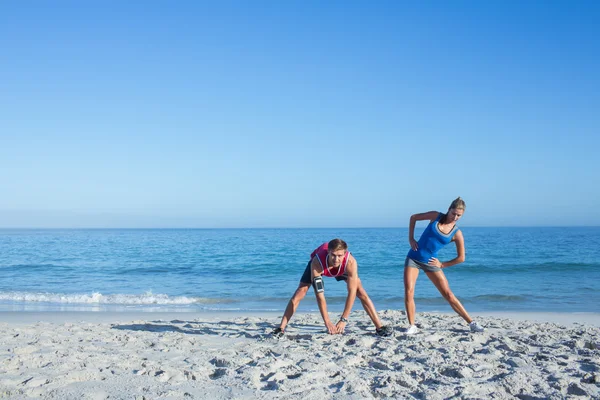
(367, 304)
(305, 282)
(293, 304)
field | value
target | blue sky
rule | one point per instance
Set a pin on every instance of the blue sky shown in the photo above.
(298, 113)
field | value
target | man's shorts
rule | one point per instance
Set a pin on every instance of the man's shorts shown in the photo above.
(306, 276)
(410, 263)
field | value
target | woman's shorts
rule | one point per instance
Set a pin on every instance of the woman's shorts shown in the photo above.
(410, 263)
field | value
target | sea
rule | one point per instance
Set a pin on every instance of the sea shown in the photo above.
(537, 269)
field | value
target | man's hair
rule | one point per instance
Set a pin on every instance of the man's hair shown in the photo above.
(337, 244)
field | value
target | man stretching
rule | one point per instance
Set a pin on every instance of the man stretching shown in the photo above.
(333, 260)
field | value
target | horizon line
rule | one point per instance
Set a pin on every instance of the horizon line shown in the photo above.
(284, 227)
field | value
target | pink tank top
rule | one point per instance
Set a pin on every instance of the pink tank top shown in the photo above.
(321, 254)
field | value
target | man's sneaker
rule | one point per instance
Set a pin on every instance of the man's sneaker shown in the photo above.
(475, 327)
(384, 331)
(277, 333)
(411, 330)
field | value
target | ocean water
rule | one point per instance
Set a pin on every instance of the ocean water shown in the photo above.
(177, 270)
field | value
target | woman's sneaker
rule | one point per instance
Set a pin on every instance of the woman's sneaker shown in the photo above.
(475, 327)
(384, 331)
(411, 330)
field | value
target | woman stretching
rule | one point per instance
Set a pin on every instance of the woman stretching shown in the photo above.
(441, 230)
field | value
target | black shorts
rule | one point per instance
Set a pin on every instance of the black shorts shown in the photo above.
(306, 276)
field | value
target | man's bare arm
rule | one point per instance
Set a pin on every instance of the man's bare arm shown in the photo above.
(317, 271)
(352, 285)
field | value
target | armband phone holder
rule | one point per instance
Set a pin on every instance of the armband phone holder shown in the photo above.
(318, 284)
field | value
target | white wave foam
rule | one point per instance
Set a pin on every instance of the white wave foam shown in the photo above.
(98, 298)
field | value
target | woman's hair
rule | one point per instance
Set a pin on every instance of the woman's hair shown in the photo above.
(337, 244)
(458, 204)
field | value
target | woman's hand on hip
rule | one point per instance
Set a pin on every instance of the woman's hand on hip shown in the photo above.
(435, 262)
(413, 244)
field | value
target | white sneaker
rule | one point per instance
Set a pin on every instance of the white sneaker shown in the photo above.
(475, 327)
(411, 330)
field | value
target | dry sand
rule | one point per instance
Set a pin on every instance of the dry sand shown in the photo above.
(222, 356)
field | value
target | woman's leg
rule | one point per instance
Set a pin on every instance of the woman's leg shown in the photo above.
(441, 283)
(410, 279)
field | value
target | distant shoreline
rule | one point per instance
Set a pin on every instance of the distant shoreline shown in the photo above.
(283, 228)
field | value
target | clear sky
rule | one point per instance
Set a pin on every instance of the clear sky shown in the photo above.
(298, 113)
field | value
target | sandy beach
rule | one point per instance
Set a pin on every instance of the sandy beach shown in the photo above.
(225, 355)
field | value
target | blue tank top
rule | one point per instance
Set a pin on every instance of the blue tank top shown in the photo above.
(431, 241)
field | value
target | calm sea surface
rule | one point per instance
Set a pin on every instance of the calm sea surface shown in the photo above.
(507, 269)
